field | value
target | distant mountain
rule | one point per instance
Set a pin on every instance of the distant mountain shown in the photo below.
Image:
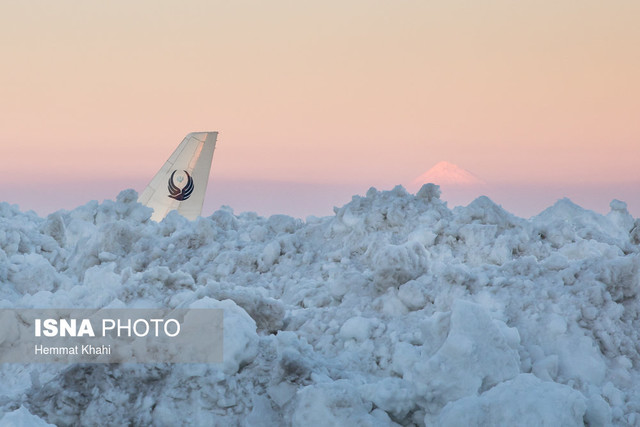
(448, 174)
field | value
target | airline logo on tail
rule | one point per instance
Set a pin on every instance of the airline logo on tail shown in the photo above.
(178, 193)
(173, 187)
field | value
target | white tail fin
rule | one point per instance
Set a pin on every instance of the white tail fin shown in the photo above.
(182, 182)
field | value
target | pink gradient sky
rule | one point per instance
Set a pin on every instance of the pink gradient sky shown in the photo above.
(96, 95)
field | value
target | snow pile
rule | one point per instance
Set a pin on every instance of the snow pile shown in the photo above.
(395, 311)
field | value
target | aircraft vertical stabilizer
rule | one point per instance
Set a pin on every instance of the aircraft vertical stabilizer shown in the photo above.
(181, 183)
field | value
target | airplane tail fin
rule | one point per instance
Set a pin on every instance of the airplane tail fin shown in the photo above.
(181, 183)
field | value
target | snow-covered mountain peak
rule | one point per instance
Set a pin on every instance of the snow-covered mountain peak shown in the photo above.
(446, 173)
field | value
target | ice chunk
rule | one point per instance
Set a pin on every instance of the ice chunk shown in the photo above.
(332, 404)
(522, 401)
(474, 357)
(240, 345)
(357, 328)
(394, 265)
(21, 417)
(393, 395)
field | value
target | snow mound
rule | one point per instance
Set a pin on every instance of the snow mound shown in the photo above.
(395, 311)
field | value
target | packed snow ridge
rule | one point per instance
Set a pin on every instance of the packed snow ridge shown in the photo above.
(395, 311)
